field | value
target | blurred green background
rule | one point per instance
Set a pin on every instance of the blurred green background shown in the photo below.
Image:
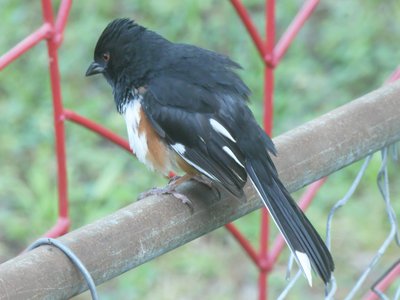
(345, 50)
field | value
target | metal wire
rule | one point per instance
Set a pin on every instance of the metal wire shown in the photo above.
(289, 286)
(74, 259)
(375, 286)
(395, 152)
(397, 295)
(289, 266)
(345, 199)
(331, 289)
(381, 295)
(383, 185)
(340, 203)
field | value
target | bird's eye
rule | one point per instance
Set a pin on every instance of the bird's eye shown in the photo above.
(106, 56)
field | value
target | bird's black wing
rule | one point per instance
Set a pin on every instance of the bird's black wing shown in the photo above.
(185, 116)
(218, 136)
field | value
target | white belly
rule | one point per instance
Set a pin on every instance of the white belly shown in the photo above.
(153, 153)
(137, 141)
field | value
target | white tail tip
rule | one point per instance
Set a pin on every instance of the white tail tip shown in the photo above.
(305, 265)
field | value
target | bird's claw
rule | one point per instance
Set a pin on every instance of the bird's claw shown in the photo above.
(168, 190)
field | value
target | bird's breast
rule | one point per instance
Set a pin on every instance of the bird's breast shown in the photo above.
(145, 143)
(137, 141)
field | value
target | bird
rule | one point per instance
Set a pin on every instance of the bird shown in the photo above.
(185, 109)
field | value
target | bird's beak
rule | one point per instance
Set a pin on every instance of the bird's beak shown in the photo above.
(94, 68)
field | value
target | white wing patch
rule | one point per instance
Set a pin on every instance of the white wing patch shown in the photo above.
(137, 142)
(179, 148)
(221, 129)
(231, 154)
(201, 170)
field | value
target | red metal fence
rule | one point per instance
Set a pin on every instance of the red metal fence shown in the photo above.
(52, 31)
(271, 54)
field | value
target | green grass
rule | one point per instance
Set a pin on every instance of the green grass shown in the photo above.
(344, 51)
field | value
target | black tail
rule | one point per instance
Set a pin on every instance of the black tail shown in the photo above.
(303, 240)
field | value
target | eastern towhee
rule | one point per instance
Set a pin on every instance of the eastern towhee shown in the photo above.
(185, 109)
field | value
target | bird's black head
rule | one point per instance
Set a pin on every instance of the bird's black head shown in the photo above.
(118, 51)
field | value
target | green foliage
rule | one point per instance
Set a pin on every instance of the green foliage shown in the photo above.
(344, 51)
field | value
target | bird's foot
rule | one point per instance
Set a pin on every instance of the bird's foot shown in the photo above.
(170, 189)
(177, 180)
